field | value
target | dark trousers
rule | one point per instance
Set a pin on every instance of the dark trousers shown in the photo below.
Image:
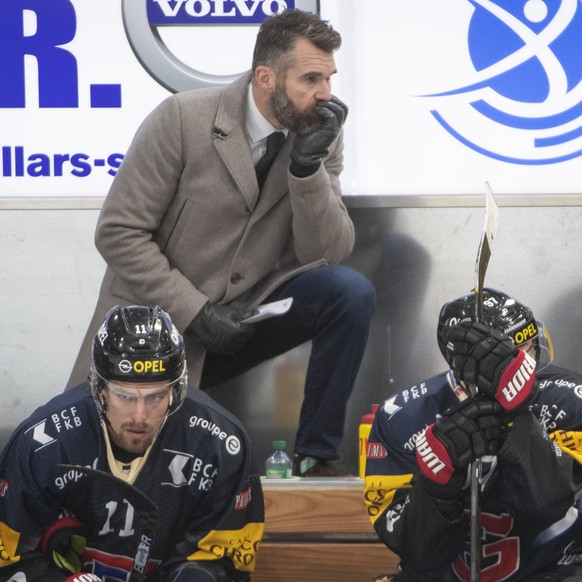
(332, 307)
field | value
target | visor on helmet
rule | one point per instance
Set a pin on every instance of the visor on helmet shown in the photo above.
(501, 312)
(159, 398)
(138, 347)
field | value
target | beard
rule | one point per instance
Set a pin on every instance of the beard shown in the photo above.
(289, 115)
(129, 444)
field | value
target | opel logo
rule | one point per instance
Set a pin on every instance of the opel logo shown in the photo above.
(125, 366)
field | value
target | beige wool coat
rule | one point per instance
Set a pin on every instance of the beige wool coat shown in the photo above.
(183, 223)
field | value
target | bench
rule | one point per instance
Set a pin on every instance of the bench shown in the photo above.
(318, 530)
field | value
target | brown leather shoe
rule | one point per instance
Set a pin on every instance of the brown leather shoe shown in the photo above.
(305, 466)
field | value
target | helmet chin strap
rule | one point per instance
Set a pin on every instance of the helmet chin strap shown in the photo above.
(102, 408)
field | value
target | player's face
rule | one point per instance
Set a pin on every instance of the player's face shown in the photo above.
(136, 412)
(529, 348)
(305, 82)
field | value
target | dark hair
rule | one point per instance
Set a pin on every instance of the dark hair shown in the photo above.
(277, 36)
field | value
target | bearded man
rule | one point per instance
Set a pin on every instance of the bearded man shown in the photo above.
(230, 197)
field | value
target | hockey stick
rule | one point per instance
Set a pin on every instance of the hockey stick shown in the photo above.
(146, 510)
(483, 256)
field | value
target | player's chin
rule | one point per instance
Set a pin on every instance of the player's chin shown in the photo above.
(137, 442)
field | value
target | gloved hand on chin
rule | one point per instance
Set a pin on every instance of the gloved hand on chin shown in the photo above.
(310, 147)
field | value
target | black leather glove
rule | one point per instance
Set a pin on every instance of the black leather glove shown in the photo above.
(462, 434)
(219, 329)
(488, 359)
(310, 147)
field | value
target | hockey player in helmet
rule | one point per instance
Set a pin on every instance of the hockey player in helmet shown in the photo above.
(138, 375)
(132, 476)
(503, 401)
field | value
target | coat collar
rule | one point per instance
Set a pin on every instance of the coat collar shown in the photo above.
(231, 143)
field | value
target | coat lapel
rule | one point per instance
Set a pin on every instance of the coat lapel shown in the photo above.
(231, 142)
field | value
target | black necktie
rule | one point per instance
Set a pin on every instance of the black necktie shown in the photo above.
(274, 143)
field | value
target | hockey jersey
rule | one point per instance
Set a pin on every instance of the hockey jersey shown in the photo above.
(530, 506)
(197, 497)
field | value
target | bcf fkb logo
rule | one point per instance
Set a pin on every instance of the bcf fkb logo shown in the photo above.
(522, 103)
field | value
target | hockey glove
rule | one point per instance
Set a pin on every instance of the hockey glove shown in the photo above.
(64, 543)
(310, 147)
(488, 359)
(461, 435)
(84, 577)
(219, 329)
(200, 572)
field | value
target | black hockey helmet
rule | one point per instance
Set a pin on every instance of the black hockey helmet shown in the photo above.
(502, 312)
(139, 344)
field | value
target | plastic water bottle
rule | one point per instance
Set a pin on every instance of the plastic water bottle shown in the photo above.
(278, 465)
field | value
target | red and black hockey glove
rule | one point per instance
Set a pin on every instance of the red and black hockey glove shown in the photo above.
(458, 437)
(488, 359)
(64, 543)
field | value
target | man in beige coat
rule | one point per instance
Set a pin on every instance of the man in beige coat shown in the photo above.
(185, 226)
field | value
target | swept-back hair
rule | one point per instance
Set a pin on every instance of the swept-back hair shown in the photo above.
(277, 36)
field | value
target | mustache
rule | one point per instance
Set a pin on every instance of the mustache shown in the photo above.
(136, 426)
(289, 116)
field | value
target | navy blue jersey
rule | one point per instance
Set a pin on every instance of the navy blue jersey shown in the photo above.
(200, 474)
(530, 517)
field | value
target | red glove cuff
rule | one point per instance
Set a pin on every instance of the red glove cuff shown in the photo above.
(58, 525)
(517, 381)
(84, 577)
(433, 458)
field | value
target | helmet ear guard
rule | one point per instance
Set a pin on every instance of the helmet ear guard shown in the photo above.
(501, 312)
(138, 344)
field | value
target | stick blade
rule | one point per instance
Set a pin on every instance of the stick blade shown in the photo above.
(484, 251)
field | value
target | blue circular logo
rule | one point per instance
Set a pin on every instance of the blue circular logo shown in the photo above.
(523, 102)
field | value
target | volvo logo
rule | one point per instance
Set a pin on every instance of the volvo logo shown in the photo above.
(150, 25)
(521, 99)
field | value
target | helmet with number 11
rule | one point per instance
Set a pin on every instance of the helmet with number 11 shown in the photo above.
(138, 375)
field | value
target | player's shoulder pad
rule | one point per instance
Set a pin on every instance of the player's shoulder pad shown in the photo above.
(203, 417)
(58, 420)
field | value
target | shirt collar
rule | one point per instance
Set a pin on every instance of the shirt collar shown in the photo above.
(258, 127)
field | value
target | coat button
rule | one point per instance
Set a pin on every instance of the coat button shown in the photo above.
(235, 278)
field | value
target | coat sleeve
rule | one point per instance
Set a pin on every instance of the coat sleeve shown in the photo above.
(321, 225)
(402, 512)
(228, 529)
(132, 212)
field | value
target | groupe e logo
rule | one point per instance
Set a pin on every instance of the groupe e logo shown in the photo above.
(151, 24)
(522, 103)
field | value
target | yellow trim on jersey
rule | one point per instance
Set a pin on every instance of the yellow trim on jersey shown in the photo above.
(570, 441)
(239, 545)
(9, 539)
(379, 492)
